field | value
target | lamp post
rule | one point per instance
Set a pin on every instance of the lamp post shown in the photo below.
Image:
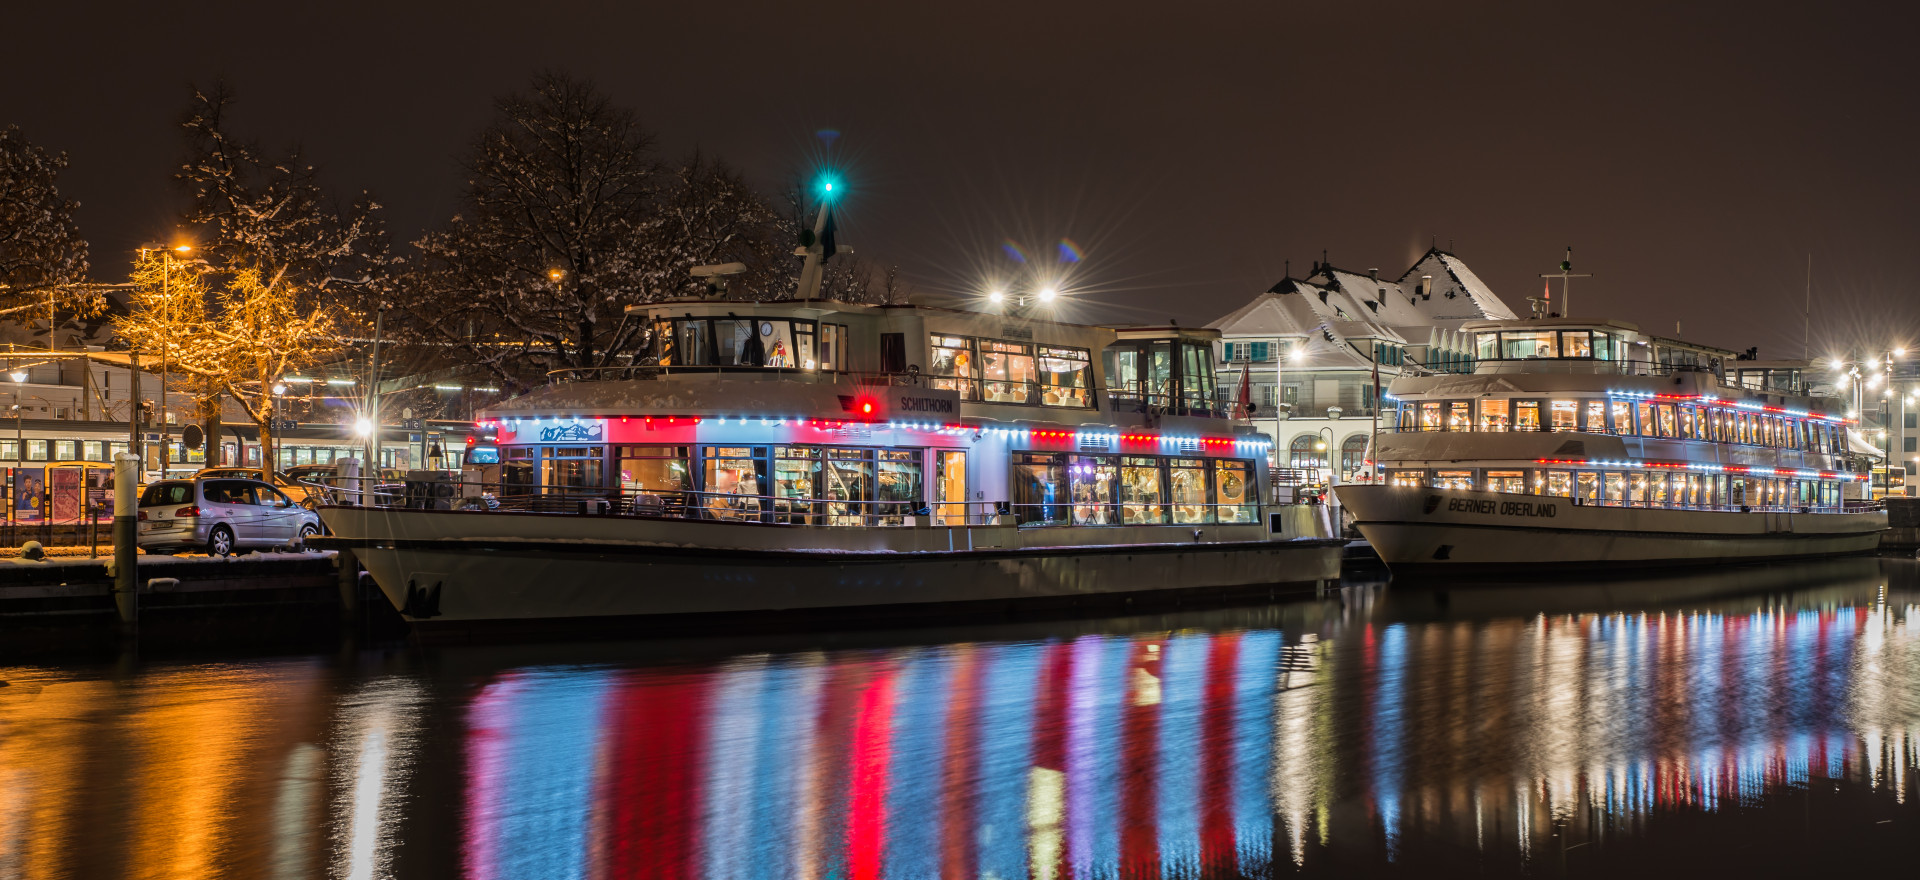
(166, 270)
(1866, 375)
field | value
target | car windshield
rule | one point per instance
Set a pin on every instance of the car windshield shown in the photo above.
(171, 492)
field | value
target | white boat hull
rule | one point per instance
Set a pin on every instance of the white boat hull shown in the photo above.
(1450, 531)
(441, 567)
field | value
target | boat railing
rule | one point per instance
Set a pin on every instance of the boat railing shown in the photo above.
(487, 497)
(1582, 366)
(1568, 429)
(795, 374)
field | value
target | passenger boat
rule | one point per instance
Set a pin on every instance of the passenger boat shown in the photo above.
(1570, 444)
(791, 457)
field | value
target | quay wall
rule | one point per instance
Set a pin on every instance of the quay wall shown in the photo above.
(1903, 524)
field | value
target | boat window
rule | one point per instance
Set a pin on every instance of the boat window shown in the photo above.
(1657, 489)
(1586, 487)
(796, 480)
(1615, 488)
(1233, 491)
(1576, 343)
(1066, 377)
(1459, 418)
(734, 470)
(1408, 479)
(1430, 416)
(1637, 489)
(1353, 457)
(652, 469)
(1526, 415)
(1160, 375)
(736, 343)
(1644, 412)
(1793, 434)
(1565, 415)
(833, 345)
(1534, 344)
(573, 467)
(1453, 479)
(1091, 478)
(1667, 426)
(690, 345)
(1622, 417)
(1123, 371)
(1142, 491)
(1603, 346)
(1197, 385)
(1560, 483)
(1187, 482)
(847, 486)
(897, 491)
(1406, 417)
(953, 366)
(1486, 346)
(1008, 370)
(1493, 415)
(1596, 417)
(1040, 489)
(1507, 481)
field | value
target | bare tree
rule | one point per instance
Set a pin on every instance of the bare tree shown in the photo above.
(43, 259)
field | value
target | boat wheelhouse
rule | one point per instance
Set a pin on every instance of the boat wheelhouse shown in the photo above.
(954, 456)
(1609, 419)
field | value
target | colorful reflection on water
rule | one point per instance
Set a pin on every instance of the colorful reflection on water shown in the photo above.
(1357, 731)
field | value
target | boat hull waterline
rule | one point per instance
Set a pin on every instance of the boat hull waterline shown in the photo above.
(441, 567)
(1453, 531)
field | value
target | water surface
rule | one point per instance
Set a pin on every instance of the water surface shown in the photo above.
(1758, 720)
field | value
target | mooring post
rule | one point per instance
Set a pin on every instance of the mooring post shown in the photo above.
(126, 506)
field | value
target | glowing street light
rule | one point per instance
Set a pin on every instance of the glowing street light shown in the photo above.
(362, 426)
(1048, 294)
(18, 375)
(996, 296)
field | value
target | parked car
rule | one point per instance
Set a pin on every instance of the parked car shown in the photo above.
(220, 516)
(305, 496)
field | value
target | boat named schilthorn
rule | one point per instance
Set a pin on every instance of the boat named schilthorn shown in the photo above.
(806, 456)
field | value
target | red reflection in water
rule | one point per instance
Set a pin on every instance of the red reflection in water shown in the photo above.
(651, 783)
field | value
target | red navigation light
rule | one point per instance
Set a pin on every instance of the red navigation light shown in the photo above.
(866, 406)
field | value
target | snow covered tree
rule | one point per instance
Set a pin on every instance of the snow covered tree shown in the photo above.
(568, 219)
(43, 260)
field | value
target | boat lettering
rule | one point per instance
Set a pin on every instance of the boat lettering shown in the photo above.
(1502, 508)
(926, 404)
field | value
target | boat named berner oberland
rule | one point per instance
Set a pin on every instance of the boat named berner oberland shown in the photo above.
(826, 457)
(1570, 443)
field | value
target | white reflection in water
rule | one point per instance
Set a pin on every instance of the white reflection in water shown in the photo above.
(371, 744)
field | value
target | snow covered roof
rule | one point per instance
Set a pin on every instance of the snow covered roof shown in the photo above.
(1455, 285)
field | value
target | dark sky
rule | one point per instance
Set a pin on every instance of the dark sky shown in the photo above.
(1693, 157)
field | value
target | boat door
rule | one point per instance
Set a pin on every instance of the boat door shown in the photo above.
(950, 486)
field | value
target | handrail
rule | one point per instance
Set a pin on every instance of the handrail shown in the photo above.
(655, 371)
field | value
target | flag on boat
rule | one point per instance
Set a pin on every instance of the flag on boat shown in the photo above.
(1243, 406)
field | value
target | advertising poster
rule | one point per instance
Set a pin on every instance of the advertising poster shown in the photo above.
(64, 491)
(29, 494)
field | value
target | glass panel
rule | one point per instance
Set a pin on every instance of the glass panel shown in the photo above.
(1603, 346)
(1616, 488)
(1526, 415)
(776, 344)
(848, 483)
(1039, 488)
(1430, 416)
(898, 492)
(654, 469)
(1535, 344)
(1142, 491)
(1596, 417)
(1408, 479)
(1486, 346)
(1458, 417)
(692, 343)
(1066, 377)
(1008, 371)
(953, 366)
(1507, 481)
(1645, 415)
(1668, 428)
(1576, 344)
(1493, 414)
(1233, 492)
(734, 470)
(1586, 487)
(1622, 417)
(1160, 375)
(1565, 415)
(1187, 482)
(1092, 478)
(1453, 479)
(1560, 483)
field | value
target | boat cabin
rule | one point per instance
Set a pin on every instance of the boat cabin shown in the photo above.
(840, 414)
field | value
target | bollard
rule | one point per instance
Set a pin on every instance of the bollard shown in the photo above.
(126, 506)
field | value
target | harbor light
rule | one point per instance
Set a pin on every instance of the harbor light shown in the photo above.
(1047, 294)
(362, 426)
(18, 375)
(996, 296)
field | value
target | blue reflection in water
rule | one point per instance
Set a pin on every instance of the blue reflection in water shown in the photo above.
(1390, 734)
(1259, 662)
(1182, 762)
(542, 735)
(918, 739)
(1004, 739)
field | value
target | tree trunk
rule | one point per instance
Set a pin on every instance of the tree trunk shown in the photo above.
(265, 423)
(210, 427)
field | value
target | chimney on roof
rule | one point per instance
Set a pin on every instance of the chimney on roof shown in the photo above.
(1374, 274)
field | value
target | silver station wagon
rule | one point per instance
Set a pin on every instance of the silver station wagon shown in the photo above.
(221, 516)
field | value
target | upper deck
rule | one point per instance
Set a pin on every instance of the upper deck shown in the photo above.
(878, 362)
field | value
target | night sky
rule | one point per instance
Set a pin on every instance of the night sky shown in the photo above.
(1693, 157)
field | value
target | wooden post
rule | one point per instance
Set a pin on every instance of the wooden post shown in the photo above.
(126, 565)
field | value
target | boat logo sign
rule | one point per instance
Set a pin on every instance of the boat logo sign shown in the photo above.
(592, 432)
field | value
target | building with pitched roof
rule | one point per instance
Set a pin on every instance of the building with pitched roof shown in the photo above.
(1307, 349)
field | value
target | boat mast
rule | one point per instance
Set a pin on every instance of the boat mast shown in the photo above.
(1566, 277)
